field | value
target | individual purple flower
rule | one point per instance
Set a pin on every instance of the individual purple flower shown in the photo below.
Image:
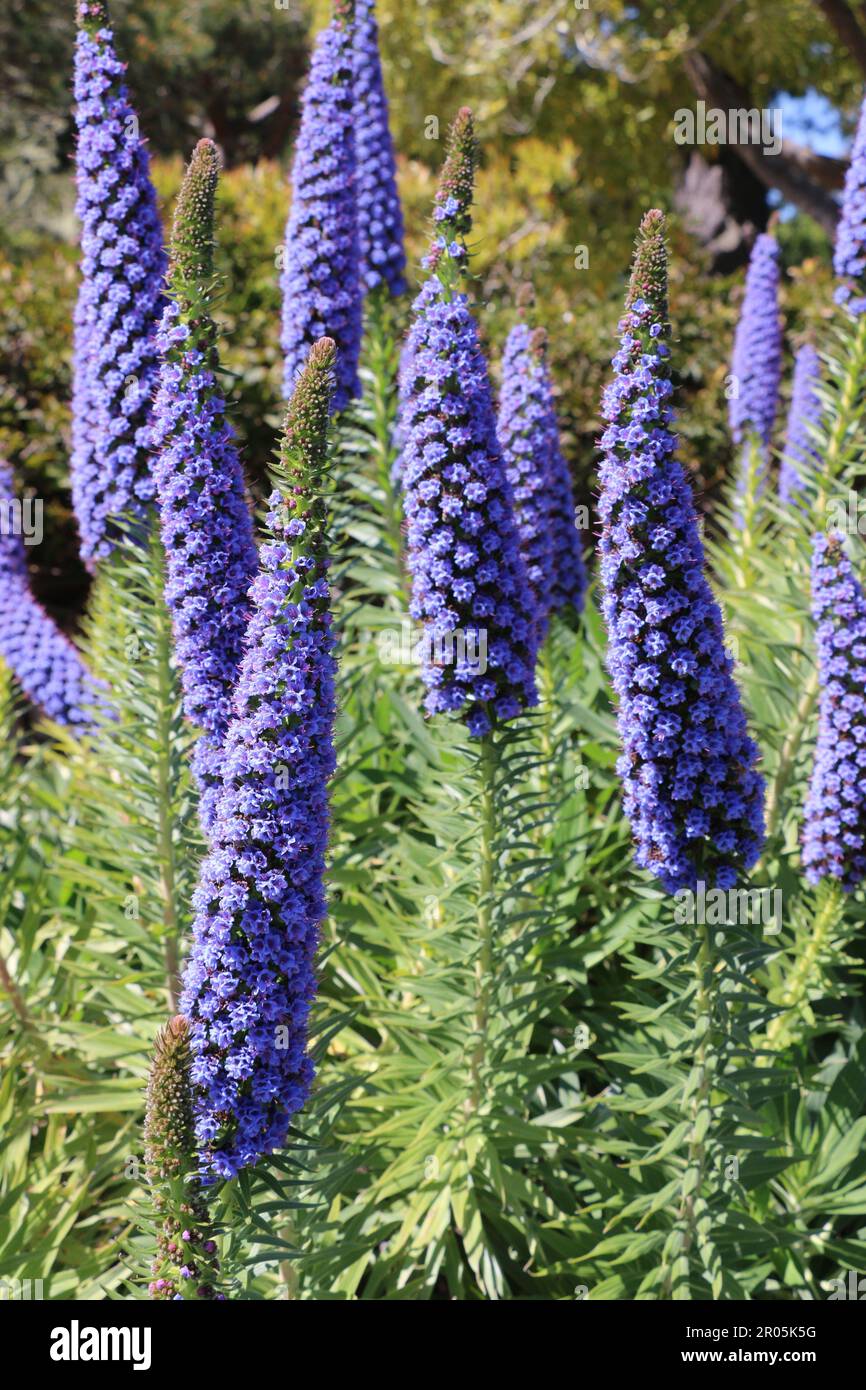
(800, 455)
(43, 661)
(321, 279)
(538, 476)
(691, 791)
(250, 978)
(380, 217)
(469, 586)
(756, 365)
(849, 256)
(120, 299)
(205, 523)
(834, 826)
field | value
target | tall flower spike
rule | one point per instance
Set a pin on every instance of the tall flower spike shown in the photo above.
(691, 792)
(120, 299)
(800, 455)
(206, 527)
(186, 1266)
(539, 476)
(849, 257)
(44, 661)
(469, 586)
(756, 364)
(321, 279)
(834, 827)
(260, 900)
(380, 217)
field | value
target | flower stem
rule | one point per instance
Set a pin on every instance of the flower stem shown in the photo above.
(793, 994)
(675, 1267)
(487, 765)
(844, 416)
(167, 829)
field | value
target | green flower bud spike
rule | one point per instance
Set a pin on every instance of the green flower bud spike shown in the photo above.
(186, 1265)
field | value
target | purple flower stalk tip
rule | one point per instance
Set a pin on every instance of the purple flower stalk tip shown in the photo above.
(321, 280)
(380, 217)
(469, 586)
(849, 256)
(43, 661)
(250, 978)
(205, 523)
(800, 456)
(691, 791)
(120, 298)
(834, 826)
(539, 477)
(756, 364)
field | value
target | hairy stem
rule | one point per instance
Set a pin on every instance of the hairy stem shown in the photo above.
(487, 765)
(167, 828)
(794, 992)
(675, 1268)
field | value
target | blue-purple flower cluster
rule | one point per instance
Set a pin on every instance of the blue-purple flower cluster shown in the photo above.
(539, 477)
(469, 586)
(849, 255)
(756, 365)
(800, 455)
(43, 661)
(834, 827)
(692, 794)
(321, 281)
(205, 523)
(380, 217)
(120, 299)
(260, 900)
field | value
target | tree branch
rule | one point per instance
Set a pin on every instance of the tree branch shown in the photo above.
(801, 176)
(841, 18)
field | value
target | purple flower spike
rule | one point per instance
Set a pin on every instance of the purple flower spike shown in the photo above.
(538, 476)
(800, 456)
(260, 900)
(849, 257)
(120, 299)
(469, 586)
(756, 364)
(380, 217)
(206, 527)
(321, 279)
(44, 661)
(834, 827)
(691, 792)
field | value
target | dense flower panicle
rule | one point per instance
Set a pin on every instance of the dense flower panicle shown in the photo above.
(260, 900)
(469, 586)
(692, 794)
(120, 299)
(321, 280)
(380, 217)
(44, 661)
(800, 454)
(538, 476)
(834, 826)
(205, 522)
(185, 1267)
(756, 365)
(849, 256)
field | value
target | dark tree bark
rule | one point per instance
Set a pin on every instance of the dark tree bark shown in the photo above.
(839, 14)
(801, 176)
(723, 205)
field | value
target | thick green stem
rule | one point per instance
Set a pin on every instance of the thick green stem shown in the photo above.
(755, 467)
(487, 764)
(381, 352)
(167, 828)
(844, 414)
(675, 1268)
(794, 992)
(790, 748)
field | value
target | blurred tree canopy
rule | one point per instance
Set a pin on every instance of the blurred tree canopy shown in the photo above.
(575, 103)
